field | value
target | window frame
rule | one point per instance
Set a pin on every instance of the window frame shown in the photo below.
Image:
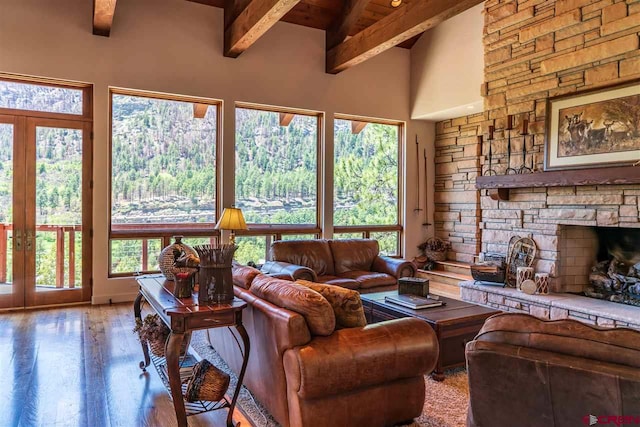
(164, 232)
(277, 229)
(366, 230)
(87, 98)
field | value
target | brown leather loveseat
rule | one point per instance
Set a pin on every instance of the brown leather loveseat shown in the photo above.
(308, 370)
(530, 372)
(350, 263)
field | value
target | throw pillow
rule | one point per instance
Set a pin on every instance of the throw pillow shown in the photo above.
(346, 303)
(315, 309)
(244, 275)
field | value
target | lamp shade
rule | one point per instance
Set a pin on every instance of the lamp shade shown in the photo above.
(231, 219)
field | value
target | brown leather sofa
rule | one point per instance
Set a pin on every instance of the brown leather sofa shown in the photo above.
(360, 376)
(350, 263)
(530, 372)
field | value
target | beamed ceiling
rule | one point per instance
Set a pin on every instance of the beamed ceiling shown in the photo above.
(373, 25)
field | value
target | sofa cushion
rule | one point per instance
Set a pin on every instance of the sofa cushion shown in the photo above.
(314, 254)
(353, 254)
(243, 275)
(369, 279)
(315, 309)
(346, 303)
(339, 281)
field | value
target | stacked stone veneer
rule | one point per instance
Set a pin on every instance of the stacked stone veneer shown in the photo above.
(534, 50)
(457, 202)
(553, 306)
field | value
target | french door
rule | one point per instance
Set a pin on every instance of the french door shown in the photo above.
(45, 210)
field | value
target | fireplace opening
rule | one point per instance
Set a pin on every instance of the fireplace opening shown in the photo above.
(616, 273)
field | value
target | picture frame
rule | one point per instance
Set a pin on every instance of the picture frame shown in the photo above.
(596, 128)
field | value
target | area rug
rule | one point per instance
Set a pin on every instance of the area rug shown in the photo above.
(445, 402)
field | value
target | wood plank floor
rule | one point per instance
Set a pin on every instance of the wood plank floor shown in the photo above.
(78, 366)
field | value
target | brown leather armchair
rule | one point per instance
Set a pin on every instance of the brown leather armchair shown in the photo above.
(530, 372)
(350, 263)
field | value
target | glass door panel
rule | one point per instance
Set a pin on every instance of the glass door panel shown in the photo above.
(7, 289)
(58, 207)
(54, 241)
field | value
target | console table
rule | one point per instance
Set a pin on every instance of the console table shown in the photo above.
(183, 316)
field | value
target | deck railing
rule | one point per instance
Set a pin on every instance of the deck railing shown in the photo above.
(60, 232)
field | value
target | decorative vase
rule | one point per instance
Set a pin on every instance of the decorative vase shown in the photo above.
(169, 255)
(183, 283)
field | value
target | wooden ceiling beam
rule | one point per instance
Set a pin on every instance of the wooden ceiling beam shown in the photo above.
(345, 22)
(199, 110)
(357, 127)
(103, 11)
(243, 27)
(285, 119)
(393, 29)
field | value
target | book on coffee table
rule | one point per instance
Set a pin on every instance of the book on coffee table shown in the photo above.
(412, 301)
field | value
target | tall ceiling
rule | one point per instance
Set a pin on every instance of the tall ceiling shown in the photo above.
(356, 30)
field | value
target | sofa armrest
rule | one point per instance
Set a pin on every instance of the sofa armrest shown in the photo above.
(396, 267)
(356, 358)
(285, 270)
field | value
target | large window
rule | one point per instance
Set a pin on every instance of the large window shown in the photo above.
(163, 173)
(276, 175)
(366, 181)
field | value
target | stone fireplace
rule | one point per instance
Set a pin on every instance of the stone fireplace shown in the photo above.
(603, 261)
(535, 51)
(569, 253)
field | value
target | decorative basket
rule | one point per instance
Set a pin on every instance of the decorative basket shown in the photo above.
(491, 271)
(153, 331)
(207, 383)
(435, 255)
(435, 249)
(157, 347)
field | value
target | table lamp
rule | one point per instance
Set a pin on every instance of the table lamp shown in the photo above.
(231, 219)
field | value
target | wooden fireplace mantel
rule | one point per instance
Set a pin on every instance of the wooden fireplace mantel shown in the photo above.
(499, 185)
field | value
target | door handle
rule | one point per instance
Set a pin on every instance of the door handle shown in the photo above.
(17, 240)
(29, 242)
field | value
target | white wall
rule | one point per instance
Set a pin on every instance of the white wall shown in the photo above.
(447, 66)
(175, 46)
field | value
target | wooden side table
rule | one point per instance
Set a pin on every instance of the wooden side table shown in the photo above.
(183, 316)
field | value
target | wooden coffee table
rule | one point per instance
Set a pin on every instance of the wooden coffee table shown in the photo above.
(455, 324)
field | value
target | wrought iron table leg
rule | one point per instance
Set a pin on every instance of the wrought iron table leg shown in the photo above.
(172, 352)
(138, 316)
(245, 360)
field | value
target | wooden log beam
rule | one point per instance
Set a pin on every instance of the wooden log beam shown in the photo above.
(251, 22)
(285, 119)
(103, 11)
(345, 22)
(401, 25)
(357, 127)
(199, 110)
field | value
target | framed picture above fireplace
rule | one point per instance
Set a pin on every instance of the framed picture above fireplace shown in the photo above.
(595, 128)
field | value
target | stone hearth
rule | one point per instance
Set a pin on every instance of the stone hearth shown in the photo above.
(553, 306)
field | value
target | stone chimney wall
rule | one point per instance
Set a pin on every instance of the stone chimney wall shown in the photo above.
(534, 50)
(457, 202)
